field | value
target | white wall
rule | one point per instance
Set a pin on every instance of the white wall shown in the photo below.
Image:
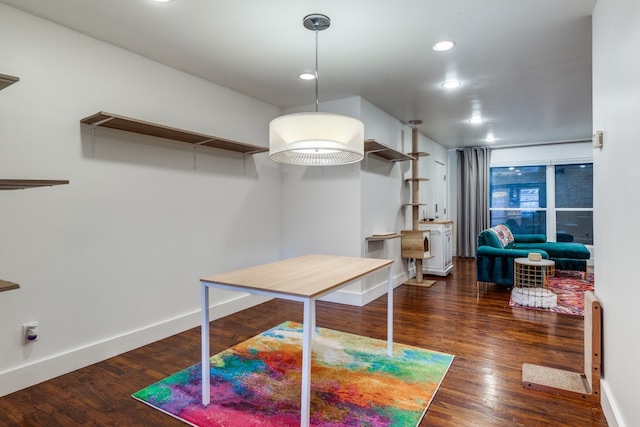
(383, 188)
(383, 191)
(543, 154)
(321, 205)
(321, 210)
(616, 106)
(112, 260)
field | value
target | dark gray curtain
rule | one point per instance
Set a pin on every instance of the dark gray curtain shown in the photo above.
(473, 197)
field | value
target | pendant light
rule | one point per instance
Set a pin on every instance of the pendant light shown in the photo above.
(314, 138)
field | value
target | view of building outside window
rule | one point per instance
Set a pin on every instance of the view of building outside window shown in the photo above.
(519, 198)
(525, 200)
(574, 203)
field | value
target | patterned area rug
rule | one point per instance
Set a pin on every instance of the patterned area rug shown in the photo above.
(353, 382)
(569, 286)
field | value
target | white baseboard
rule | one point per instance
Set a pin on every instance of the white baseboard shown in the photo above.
(60, 364)
(609, 407)
(359, 299)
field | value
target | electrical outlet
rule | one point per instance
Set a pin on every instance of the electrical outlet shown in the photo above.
(30, 332)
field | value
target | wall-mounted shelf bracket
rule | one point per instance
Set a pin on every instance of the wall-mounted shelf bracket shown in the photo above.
(92, 129)
(244, 163)
(366, 158)
(195, 152)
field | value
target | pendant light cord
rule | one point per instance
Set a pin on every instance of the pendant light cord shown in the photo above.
(317, 102)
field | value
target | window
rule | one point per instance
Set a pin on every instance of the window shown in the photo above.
(519, 198)
(556, 200)
(574, 203)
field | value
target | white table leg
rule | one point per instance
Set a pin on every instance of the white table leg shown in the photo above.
(389, 311)
(312, 317)
(204, 330)
(308, 327)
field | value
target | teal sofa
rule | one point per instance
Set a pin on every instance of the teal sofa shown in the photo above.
(498, 246)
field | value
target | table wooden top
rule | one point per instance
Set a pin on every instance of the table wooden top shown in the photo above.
(304, 276)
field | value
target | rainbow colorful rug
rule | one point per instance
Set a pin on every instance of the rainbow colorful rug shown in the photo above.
(569, 286)
(353, 382)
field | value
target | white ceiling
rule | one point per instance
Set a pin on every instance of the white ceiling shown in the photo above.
(525, 65)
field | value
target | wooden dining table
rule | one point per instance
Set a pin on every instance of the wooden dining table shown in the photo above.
(304, 279)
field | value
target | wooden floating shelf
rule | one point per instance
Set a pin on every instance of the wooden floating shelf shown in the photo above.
(371, 146)
(7, 80)
(127, 124)
(416, 179)
(21, 184)
(7, 286)
(377, 237)
(419, 154)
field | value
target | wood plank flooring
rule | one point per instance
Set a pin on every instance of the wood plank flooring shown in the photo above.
(483, 387)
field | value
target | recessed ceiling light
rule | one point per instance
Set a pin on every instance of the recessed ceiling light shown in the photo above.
(443, 45)
(490, 137)
(451, 84)
(476, 120)
(307, 76)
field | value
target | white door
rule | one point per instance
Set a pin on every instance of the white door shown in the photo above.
(439, 191)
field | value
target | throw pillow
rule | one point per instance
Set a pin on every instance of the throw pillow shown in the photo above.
(504, 235)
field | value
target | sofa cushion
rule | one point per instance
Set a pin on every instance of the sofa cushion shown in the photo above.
(529, 238)
(488, 251)
(558, 249)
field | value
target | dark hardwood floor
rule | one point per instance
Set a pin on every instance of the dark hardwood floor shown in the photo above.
(482, 388)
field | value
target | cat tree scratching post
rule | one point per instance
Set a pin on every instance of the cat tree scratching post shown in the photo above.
(415, 242)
